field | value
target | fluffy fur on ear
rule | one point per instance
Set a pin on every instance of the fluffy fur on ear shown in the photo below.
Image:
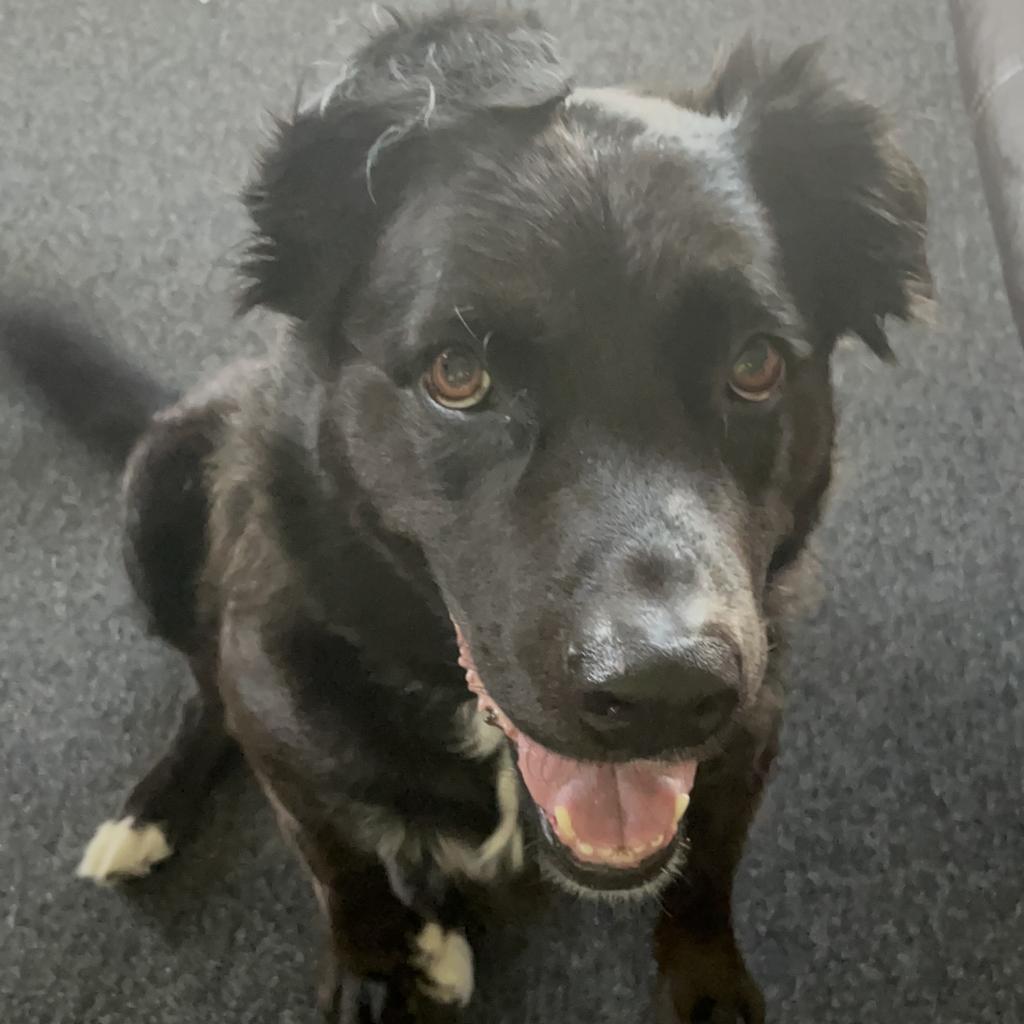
(336, 168)
(848, 206)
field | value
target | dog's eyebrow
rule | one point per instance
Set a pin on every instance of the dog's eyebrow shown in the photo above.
(780, 324)
(513, 323)
(745, 302)
(783, 330)
(801, 347)
(798, 347)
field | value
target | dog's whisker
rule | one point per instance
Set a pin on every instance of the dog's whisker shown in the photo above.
(381, 12)
(463, 321)
(395, 134)
(431, 104)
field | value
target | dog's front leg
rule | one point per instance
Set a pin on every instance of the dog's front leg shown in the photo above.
(396, 954)
(389, 961)
(702, 975)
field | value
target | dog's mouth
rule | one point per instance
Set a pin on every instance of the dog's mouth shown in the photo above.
(608, 826)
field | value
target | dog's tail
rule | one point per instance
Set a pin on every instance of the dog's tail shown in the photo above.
(96, 392)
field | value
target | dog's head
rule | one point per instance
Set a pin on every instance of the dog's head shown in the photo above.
(577, 347)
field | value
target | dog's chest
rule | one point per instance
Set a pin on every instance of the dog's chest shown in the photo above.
(496, 855)
(501, 853)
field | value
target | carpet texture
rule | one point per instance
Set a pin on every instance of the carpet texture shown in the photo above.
(883, 879)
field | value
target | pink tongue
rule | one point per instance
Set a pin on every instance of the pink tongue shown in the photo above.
(632, 805)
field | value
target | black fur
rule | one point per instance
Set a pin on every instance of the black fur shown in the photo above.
(323, 192)
(303, 529)
(166, 510)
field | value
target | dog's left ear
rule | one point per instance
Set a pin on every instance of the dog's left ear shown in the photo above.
(847, 205)
(337, 169)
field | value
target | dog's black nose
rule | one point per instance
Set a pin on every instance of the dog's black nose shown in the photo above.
(643, 700)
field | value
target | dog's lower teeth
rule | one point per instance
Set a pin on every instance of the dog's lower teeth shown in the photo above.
(559, 829)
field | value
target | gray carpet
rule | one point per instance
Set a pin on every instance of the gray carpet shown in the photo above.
(884, 878)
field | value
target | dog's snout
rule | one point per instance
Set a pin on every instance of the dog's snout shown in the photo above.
(655, 573)
(643, 698)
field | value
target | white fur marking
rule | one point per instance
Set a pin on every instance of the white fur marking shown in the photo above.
(329, 90)
(379, 14)
(697, 613)
(431, 104)
(502, 851)
(479, 739)
(445, 961)
(397, 132)
(391, 840)
(119, 850)
(662, 119)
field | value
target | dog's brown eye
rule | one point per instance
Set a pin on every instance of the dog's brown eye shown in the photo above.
(758, 372)
(457, 379)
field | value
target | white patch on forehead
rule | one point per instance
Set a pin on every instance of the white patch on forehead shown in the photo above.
(662, 120)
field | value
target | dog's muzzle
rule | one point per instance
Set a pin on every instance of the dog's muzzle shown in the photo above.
(613, 825)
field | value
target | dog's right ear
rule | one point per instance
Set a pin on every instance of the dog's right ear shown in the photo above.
(336, 170)
(847, 204)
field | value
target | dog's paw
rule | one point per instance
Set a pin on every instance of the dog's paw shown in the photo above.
(347, 999)
(444, 964)
(123, 849)
(431, 987)
(707, 982)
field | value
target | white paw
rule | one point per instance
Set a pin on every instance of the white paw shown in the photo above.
(119, 849)
(445, 961)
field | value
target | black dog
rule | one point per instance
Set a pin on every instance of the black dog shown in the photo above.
(555, 406)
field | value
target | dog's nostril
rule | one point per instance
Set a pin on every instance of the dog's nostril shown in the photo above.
(614, 707)
(668, 707)
(605, 710)
(703, 1011)
(711, 712)
(704, 707)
